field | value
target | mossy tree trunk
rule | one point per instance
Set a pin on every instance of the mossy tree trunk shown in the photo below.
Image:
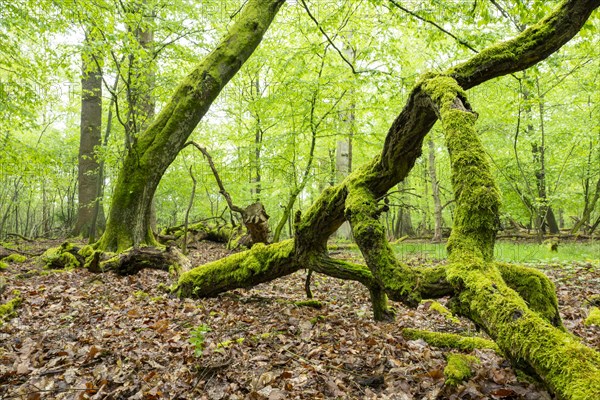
(515, 305)
(527, 337)
(155, 148)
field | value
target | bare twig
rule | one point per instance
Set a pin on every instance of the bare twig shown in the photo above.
(430, 22)
(341, 54)
(222, 190)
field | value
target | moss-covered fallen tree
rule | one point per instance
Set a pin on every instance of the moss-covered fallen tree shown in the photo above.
(515, 306)
(128, 262)
(197, 232)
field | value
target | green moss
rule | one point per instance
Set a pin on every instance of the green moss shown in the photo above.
(175, 270)
(569, 368)
(440, 309)
(8, 310)
(245, 269)
(161, 287)
(3, 265)
(512, 55)
(477, 196)
(594, 317)
(450, 340)
(60, 258)
(16, 258)
(140, 295)
(86, 251)
(535, 288)
(227, 343)
(309, 303)
(458, 368)
(398, 280)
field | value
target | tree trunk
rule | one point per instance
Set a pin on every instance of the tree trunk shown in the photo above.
(342, 167)
(589, 200)
(589, 208)
(154, 150)
(546, 210)
(89, 139)
(404, 225)
(435, 193)
(518, 311)
(568, 367)
(255, 157)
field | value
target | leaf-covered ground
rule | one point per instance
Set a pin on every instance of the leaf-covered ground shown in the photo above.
(79, 335)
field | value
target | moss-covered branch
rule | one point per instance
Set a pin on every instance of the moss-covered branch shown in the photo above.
(569, 368)
(535, 288)
(155, 149)
(260, 264)
(530, 47)
(451, 340)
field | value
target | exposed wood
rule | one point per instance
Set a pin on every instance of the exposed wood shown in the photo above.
(254, 217)
(133, 261)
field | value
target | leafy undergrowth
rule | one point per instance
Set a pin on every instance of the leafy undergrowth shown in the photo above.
(80, 335)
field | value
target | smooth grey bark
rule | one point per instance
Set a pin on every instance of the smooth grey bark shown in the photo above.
(89, 140)
(435, 193)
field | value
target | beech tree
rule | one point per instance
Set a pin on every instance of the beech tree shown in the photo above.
(153, 150)
(89, 139)
(515, 305)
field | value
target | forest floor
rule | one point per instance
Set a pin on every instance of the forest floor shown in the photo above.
(79, 335)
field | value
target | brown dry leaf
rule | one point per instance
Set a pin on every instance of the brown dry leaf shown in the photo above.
(146, 351)
(436, 373)
(503, 393)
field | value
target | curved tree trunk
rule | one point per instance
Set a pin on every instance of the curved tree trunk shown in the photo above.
(515, 306)
(155, 149)
(528, 338)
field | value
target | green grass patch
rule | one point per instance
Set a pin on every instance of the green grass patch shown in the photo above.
(509, 251)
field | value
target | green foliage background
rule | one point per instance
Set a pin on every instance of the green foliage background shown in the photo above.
(41, 43)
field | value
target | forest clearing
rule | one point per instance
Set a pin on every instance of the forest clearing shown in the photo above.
(273, 199)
